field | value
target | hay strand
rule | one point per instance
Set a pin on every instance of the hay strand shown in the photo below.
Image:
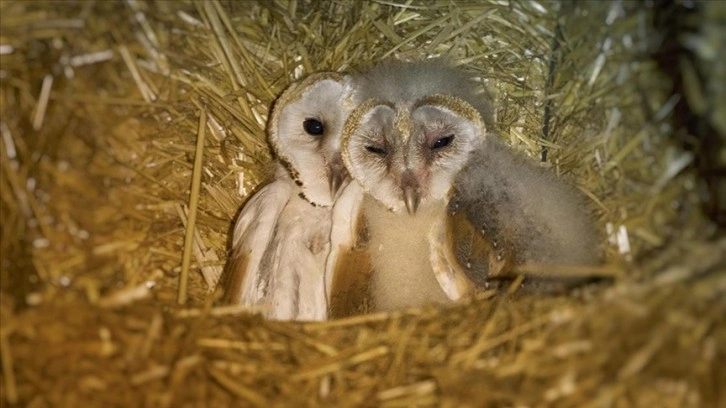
(193, 203)
(11, 390)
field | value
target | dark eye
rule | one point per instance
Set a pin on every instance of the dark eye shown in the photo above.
(313, 127)
(376, 150)
(443, 142)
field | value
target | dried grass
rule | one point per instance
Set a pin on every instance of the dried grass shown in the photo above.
(111, 111)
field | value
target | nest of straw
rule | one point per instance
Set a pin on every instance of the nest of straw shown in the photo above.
(132, 131)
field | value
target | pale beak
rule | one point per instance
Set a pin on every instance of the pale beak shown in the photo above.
(411, 194)
(412, 199)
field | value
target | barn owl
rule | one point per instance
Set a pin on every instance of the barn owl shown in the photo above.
(405, 158)
(444, 205)
(281, 237)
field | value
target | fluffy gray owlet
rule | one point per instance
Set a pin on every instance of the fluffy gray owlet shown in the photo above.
(281, 238)
(446, 206)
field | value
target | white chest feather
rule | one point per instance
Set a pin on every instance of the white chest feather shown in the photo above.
(400, 254)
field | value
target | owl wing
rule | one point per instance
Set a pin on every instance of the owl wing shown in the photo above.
(252, 234)
(472, 251)
(294, 264)
(453, 245)
(348, 268)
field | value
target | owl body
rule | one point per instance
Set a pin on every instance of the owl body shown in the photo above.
(281, 239)
(383, 260)
(400, 254)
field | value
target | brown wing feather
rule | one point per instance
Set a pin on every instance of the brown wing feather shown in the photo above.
(233, 278)
(475, 250)
(350, 294)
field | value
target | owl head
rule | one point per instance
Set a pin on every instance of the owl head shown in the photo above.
(304, 133)
(407, 155)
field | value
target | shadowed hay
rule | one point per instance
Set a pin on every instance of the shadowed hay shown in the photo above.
(105, 106)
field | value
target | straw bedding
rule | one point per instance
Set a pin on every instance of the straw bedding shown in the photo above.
(132, 132)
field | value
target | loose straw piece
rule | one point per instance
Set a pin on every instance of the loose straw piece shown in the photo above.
(11, 391)
(146, 93)
(42, 105)
(570, 271)
(193, 203)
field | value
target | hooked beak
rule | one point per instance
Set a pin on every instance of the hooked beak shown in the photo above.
(337, 176)
(411, 195)
(412, 199)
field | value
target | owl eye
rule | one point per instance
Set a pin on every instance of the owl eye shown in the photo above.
(442, 142)
(313, 127)
(376, 150)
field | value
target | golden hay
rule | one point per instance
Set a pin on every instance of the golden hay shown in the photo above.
(132, 131)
